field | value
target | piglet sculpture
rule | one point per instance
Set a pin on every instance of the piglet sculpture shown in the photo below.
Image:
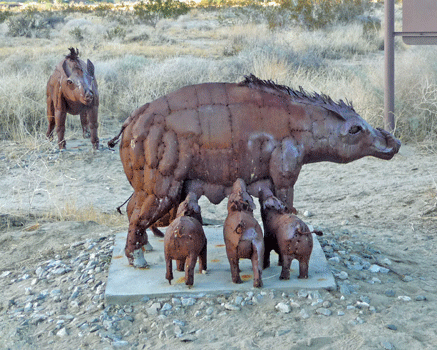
(242, 234)
(185, 240)
(287, 235)
(72, 88)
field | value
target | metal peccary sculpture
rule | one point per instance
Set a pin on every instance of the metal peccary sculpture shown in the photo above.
(202, 138)
(72, 88)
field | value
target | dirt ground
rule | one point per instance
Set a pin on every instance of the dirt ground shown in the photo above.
(384, 212)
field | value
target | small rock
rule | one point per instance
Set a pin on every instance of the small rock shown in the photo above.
(407, 278)
(392, 327)
(282, 332)
(120, 343)
(166, 307)
(323, 311)
(386, 261)
(188, 301)
(284, 308)
(387, 345)
(365, 299)
(343, 275)
(404, 298)
(335, 259)
(304, 314)
(390, 293)
(340, 313)
(62, 332)
(376, 268)
(307, 214)
(420, 298)
(231, 307)
(326, 304)
(154, 309)
(238, 300)
(179, 323)
(302, 293)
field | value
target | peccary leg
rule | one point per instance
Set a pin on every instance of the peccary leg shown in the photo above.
(286, 196)
(180, 265)
(85, 128)
(190, 264)
(268, 247)
(286, 263)
(203, 259)
(257, 258)
(169, 267)
(50, 118)
(235, 269)
(136, 238)
(60, 128)
(93, 125)
(303, 268)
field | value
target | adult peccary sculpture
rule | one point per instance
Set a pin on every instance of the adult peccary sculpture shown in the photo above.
(287, 235)
(185, 241)
(242, 234)
(72, 88)
(203, 137)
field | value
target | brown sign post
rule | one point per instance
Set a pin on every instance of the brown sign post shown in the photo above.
(419, 27)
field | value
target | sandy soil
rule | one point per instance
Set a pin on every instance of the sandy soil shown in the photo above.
(382, 211)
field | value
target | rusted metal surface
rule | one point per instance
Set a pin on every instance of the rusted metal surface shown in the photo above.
(185, 241)
(202, 138)
(72, 88)
(287, 235)
(242, 234)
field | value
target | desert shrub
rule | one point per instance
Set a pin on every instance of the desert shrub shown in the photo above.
(314, 14)
(4, 15)
(32, 24)
(117, 32)
(160, 8)
(77, 33)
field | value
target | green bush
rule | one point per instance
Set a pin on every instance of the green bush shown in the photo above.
(4, 15)
(116, 32)
(315, 14)
(165, 9)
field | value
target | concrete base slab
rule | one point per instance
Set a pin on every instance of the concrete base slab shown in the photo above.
(127, 284)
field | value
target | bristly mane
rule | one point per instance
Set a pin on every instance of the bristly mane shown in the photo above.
(73, 55)
(300, 95)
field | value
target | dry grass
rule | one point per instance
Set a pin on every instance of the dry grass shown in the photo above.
(136, 63)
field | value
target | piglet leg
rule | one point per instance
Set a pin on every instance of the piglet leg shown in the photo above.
(169, 267)
(203, 259)
(190, 264)
(286, 263)
(180, 265)
(303, 268)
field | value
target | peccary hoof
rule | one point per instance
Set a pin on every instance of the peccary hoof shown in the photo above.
(257, 283)
(137, 259)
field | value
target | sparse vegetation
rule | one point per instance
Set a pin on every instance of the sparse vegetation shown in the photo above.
(145, 49)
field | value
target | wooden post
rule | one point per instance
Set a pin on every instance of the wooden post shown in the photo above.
(389, 63)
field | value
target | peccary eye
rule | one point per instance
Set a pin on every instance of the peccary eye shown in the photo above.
(355, 129)
(69, 82)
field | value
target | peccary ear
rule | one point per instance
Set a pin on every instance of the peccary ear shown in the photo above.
(90, 67)
(66, 68)
(273, 203)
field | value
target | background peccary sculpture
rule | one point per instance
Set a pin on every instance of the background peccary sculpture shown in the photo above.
(209, 135)
(287, 235)
(72, 88)
(242, 234)
(185, 240)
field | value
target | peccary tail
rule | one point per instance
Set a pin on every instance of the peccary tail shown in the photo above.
(119, 207)
(318, 233)
(114, 141)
